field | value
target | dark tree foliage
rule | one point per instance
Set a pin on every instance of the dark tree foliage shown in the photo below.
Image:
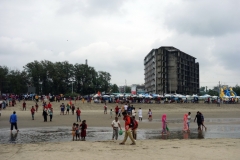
(55, 78)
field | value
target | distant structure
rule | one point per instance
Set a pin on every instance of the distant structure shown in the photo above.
(169, 70)
(137, 89)
(86, 62)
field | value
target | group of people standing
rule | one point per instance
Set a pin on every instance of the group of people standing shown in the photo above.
(79, 131)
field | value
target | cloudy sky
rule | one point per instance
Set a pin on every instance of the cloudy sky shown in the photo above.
(116, 35)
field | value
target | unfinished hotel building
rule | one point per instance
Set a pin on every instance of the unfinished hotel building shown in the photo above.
(169, 70)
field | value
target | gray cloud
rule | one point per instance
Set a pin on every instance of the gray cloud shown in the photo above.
(115, 36)
(202, 17)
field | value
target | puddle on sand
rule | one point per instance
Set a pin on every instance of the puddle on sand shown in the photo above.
(206, 120)
(63, 134)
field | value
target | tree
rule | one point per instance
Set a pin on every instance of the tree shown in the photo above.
(114, 88)
(236, 89)
(212, 92)
(127, 89)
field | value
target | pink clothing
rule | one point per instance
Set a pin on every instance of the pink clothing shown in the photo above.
(164, 119)
(185, 119)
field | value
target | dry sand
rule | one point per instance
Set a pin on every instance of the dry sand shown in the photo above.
(145, 149)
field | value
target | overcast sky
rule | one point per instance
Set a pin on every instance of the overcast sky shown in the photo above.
(116, 35)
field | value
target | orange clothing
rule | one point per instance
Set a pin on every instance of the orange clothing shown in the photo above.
(127, 120)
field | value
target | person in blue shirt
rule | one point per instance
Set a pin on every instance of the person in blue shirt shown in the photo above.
(13, 121)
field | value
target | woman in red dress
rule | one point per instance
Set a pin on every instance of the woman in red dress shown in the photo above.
(83, 130)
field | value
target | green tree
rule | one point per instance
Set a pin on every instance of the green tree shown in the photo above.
(114, 89)
(236, 89)
(212, 92)
(127, 89)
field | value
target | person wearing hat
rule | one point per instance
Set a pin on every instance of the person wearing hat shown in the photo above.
(13, 121)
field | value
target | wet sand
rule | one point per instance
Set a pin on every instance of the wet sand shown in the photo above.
(224, 119)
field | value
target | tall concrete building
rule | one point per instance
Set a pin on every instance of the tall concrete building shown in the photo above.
(169, 70)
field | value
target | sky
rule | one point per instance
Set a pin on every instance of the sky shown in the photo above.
(116, 35)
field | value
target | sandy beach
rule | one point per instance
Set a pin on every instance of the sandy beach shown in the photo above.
(209, 148)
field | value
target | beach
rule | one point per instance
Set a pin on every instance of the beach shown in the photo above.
(154, 148)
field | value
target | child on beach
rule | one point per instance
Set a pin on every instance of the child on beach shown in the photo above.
(119, 112)
(32, 112)
(77, 132)
(83, 130)
(140, 114)
(150, 115)
(111, 112)
(73, 131)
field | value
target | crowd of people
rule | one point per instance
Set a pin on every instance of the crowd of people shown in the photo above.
(126, 111)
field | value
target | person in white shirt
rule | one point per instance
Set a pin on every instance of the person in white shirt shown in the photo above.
(189, 120)
(133, 112)
(140, 114)
(115, 126)
(125, 107)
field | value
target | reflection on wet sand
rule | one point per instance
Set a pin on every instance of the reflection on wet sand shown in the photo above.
(61, 134)
(13, 137)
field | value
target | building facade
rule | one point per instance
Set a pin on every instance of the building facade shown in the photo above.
(169, 70)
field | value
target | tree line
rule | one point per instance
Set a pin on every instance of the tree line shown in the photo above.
(55, 78)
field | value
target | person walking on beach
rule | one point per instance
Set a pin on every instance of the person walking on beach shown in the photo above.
(36, 106)
(105, 109)
(83, 130)
(119, 112)
(13, 121)
(140, 114)
(150, 115)
(62, 109)
(115, 125)
(185, 122)
(111, 113)
(78, 112)
(133, 112)
(68, 108)
(24, 105)
(50, 112)
(202, 119)
(45, 115)
(32, 112)
(164, 124)
(128, 129)
(189, 120)
(73, 108)
(116, 110)
(199, 120)
(134, 130)
(218, 101)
